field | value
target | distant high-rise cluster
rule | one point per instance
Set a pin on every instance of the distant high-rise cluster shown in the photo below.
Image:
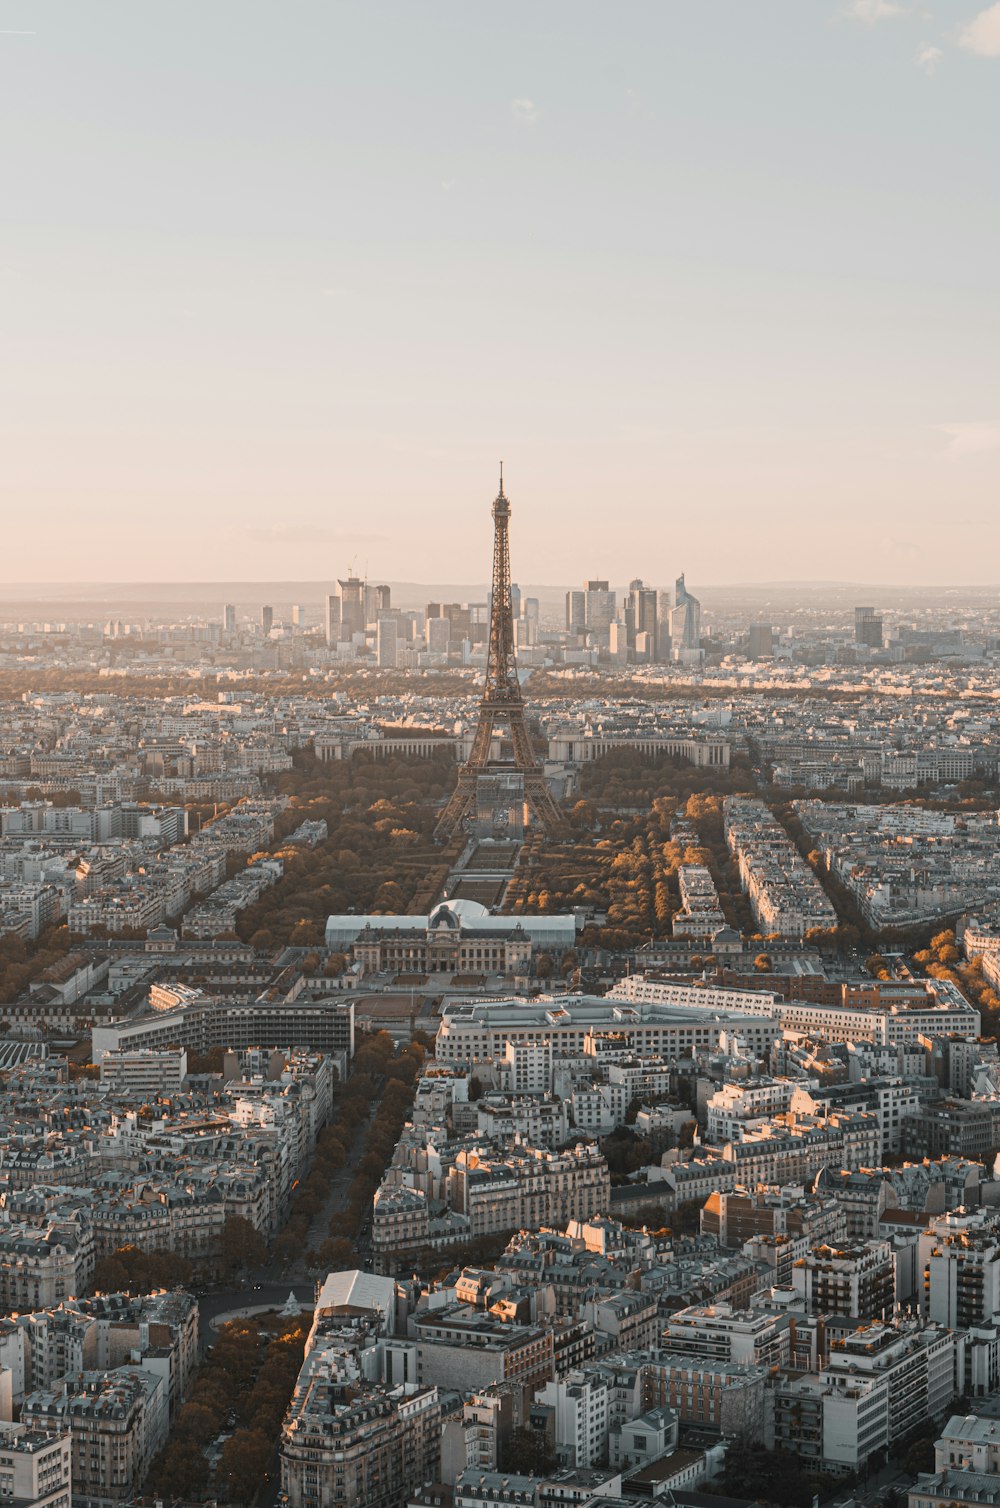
(358, 612)
(648, 627)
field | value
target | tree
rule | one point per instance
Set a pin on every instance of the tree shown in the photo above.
(197, 1422)
(528, 1453)
(243, 1467)
(920, 1456)
(336, 1254)
(178, 1471)
(241, 1245)
(771, 1476)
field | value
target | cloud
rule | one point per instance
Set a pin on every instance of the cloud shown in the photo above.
(872, 11)
(311, 534)
(971, 438)
(982, 35)
(524, 112)
(928, 58)
(7, 33)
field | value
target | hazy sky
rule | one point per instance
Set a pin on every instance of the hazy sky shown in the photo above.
(282, 280)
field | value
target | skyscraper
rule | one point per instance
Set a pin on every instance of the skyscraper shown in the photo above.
(352, 606)
(640, 613)
(387, 643)
(664, 642)
(229, 618)
(685, 620)
(333, 618)
(867, 627)
(761, 646)
(266, 620)
(599, 609)
(377, 601)
(576, 613)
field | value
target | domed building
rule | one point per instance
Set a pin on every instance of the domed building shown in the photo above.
(458, 937)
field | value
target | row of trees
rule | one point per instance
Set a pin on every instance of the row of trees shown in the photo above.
(23, 961)
(131, 1269)
(942, 960)
(630, 871)
(626, 777)
(622, 860)
(400, 1071)
(382, 1076)
(247, 1380)
(380, 850)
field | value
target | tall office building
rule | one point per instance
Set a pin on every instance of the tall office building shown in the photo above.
(333, 618)
(576, 613)
(353, 619)
(387, 643)
(868, 627)
(515, 600)
(229, 618)
(761, 645)
(266, 620)
(377, 602)
(298, 615)
(600, 608)
(438, 635)
(640, 614)
(685, 620)
(664, 642)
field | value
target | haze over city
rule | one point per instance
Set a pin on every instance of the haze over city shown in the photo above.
(499, 754)
(278, 287)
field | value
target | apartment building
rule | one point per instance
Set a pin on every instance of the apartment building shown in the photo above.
(786, 898)
(461, 1346)
(351, 1444)
(772, 1210)
(580, 1407)
(35, 1467)
(718, 1332)
(474, 1031)
(725, 1396)
(144, 1071)
(117, 1421)
(857, 1282)
(915, 1358)
(959, 1256)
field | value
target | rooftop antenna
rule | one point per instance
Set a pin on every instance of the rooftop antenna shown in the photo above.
(501, 479)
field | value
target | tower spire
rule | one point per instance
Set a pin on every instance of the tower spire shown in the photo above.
(501, 704)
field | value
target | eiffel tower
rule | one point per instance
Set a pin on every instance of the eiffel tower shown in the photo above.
(502, 706)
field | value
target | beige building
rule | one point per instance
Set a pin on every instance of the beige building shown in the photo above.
(35, 1467)
(354, 1445)
(117, 1420)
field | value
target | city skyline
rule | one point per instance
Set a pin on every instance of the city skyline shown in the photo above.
(724, 273)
